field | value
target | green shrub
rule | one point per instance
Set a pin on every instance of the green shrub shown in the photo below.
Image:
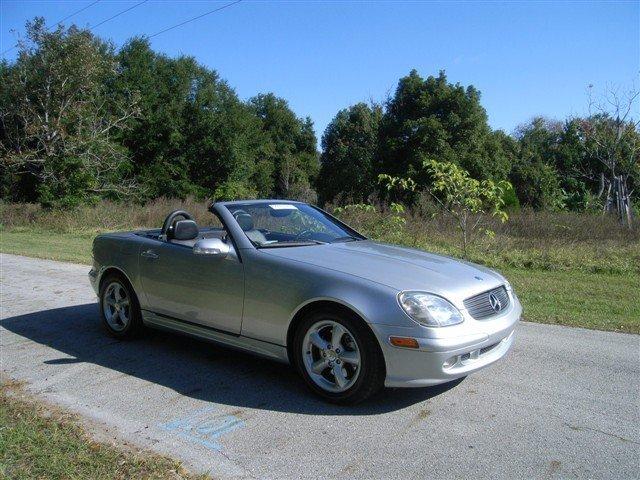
(510, 199)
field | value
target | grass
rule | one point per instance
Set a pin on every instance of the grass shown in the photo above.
(598, 301)
(66, 247)
(568, 269)
(38, 441)
(529, 240)
(601, 301)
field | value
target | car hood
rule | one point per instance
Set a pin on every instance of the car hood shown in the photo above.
(398, 268)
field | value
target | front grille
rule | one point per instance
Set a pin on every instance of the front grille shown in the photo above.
(479, 306)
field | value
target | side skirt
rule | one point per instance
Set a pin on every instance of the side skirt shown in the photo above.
(250, 345)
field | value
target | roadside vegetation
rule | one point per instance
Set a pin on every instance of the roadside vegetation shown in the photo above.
(567, 268)
(40, 441)
(82, 121)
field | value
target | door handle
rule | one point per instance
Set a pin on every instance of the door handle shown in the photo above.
(150, 254)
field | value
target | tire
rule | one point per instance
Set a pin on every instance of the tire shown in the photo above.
(117, 297)
(355, 383)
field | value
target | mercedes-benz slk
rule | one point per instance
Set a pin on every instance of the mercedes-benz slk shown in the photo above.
(288, 281)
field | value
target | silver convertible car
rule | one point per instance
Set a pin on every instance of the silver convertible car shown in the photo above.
(290, 282)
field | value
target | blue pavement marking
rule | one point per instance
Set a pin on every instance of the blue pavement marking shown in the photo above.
(205, 426)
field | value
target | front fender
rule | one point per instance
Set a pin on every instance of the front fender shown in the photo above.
(277, 289)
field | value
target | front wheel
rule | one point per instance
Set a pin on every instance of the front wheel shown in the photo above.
(338, 357)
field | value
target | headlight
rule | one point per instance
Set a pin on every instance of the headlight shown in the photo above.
(428, 309)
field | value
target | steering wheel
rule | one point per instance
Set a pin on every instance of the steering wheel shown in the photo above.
(172, 218)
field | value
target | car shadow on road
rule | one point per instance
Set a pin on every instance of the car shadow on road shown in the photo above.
(192, 367)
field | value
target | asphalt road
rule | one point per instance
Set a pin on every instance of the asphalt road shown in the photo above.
(565, 403)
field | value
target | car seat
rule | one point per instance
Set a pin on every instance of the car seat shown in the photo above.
(245, 220)
(184, 232)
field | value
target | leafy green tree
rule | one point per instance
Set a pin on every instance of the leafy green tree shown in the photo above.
(291, 147)
(60, 122)
(156, 139)
(194, 135)
(553, 168)
(398, 189)
(510, 199)
(537, 185)
(349, 147)
(223, 139)
(534, 175)
(577, 170)
(467, 200)
(16, 184)
(79, 122)
(433, 118)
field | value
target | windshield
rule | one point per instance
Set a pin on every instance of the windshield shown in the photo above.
(288, 224)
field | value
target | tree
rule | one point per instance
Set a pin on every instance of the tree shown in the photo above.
(534, 176)
(612, 138)
(78, 122)
(465, 199)
(575, 168)
(349, 146)
(157, 137)
(433, 118)
(58, 121)
(291, 150)
(194, 137)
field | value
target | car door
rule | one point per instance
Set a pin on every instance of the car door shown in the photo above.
(201, 289)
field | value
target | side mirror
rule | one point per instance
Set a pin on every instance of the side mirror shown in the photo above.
(212, 247)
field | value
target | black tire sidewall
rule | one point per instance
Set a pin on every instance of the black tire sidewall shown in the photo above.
(134, 326)
(372, 371)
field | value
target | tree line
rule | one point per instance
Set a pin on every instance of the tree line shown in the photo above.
(81, 120)
(552, 165)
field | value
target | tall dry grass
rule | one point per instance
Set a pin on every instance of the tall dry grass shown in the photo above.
(534, 240)
(104, 216)
(529, 239)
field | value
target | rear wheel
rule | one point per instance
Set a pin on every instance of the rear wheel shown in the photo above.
(119, 307)
(338, 357)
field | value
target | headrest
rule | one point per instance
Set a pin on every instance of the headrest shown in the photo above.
(244, 220)
(185, 230)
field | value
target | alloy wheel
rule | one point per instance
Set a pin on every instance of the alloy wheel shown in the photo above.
(331, 356)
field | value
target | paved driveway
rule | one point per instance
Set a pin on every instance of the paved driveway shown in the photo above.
(565, 403)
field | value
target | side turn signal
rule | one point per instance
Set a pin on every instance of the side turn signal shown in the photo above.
(406, 342)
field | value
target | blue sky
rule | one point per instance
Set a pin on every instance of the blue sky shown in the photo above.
(527, 58)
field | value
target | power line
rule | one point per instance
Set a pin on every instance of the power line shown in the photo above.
(97, 25)
(74, 13)
(137, 5)
(194, 18)
(118, 14)
(59, 22)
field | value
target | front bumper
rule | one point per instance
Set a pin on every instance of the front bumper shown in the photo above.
(447, 357)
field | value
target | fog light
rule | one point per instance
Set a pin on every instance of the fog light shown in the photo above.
(406, 342)
(450, 362)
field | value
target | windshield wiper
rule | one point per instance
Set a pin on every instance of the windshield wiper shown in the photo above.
(346, 238)
(293, 243)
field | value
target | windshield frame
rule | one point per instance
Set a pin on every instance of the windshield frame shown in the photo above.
(302, 243)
